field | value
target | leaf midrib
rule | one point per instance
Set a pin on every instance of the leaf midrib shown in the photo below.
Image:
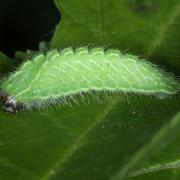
(172, 127)
(163, 31)
(79, 142)
(157, 168)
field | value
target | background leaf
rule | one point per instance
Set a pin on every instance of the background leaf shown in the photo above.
(92, 141)
(167, 134)
(98, 137)
(147, 28)
(6, 64)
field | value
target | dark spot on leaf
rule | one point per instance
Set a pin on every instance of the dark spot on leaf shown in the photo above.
(142, 7)
(115, 125)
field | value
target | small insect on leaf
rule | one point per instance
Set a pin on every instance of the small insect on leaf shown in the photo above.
(58, 74)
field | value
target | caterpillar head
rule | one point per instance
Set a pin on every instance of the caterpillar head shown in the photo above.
(10, 104)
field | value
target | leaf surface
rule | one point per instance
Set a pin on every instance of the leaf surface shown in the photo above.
(102, 137)
(147, 28)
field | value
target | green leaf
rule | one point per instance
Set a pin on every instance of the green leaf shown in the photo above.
(25, 55)
(163, 138)
(102, 137)
(95, 139)
(6, 64)
(143, 27)
(29, 53)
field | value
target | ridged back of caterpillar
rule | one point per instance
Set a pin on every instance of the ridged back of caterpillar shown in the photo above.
(66, 72)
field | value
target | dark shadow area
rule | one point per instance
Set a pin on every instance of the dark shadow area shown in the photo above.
(24, 23)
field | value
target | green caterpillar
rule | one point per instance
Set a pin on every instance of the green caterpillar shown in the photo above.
(58, 74)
